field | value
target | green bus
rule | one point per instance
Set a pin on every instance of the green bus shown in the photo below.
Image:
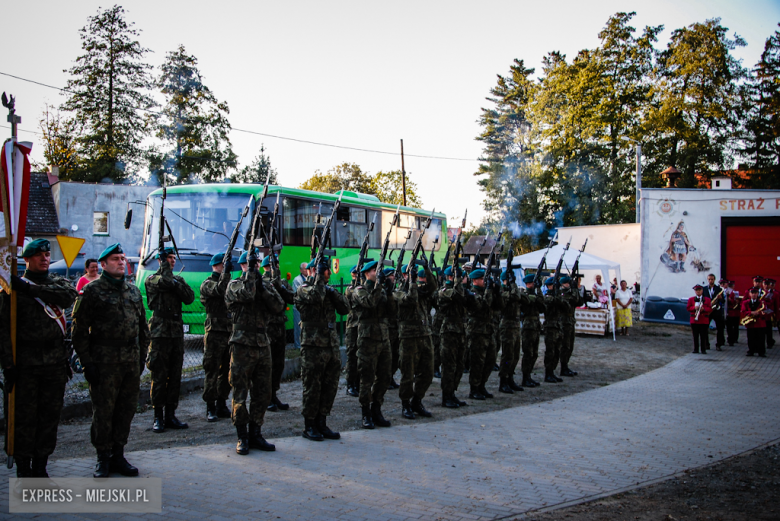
(202, 218)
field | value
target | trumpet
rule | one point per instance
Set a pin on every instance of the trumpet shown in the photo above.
(751, 318)
(698, 310)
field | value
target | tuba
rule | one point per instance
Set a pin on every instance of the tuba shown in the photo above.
(750, 318)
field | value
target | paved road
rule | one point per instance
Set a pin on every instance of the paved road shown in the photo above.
(692, 412)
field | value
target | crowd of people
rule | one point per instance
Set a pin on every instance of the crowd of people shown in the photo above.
(390, 325)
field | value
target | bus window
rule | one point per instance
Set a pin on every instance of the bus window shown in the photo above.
(433, 231)
(350, 233)
(298, 220)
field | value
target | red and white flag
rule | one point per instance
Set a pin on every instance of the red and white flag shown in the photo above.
(14, 194)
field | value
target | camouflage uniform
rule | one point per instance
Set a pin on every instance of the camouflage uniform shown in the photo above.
(276, 329)
(509, 330)
(165, 295)
(555, 308)
(374, 359)
(491, 355)
(41, 363)
(110, 331)
(414, 329)
(479, 330)
(531, 306)
(350, 341)
(318, 304)
(573, 300)
(391, 321)
(250, 302)
(451, 302)
(216, 348)
(436, 334)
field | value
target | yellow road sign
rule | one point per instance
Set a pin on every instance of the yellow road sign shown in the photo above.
(70, 247)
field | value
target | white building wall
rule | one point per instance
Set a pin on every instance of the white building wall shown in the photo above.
(616, 242)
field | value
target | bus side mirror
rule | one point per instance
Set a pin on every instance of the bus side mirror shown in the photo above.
(128, 218)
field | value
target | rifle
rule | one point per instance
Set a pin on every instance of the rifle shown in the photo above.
(510, 269)
(576, 266)
(314, 227)
(492, 259)
(325, 238)
(386, 244)
(228, 260)
(257, 229)
(557, 276)
(479, 250)
(417, 247)
(538, 274)
(364, 250)
(458, 247)
(401, 256)
(274, 245)
(445, 263)
(432, 262)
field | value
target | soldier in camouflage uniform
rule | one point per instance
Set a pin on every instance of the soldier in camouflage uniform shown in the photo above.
(111, 337)
(532, 305)
(416, 346)
(436, 336)
(277, 331)
(451, 301)
(391, 321)
(250, 302)
(571, 296)
(216, 348)
(374, 358)
(318, 303)
(555, 308)
(509, 333)
(479, 331)
(41, 369)
(350, 340)
(165, 295)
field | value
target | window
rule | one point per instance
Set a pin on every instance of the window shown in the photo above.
(100, 223)
(351, 227)
(299, 217)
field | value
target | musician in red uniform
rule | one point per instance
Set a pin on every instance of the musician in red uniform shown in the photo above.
(770, 297)
(699, 307)
(753, 317)
(734, 313)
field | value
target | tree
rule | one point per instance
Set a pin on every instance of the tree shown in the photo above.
(346, 176)
(193, 123)
(258, 171)
(107, 89)
(389, 187)
(59, 141)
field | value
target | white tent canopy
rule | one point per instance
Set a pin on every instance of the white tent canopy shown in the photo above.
(587, 261)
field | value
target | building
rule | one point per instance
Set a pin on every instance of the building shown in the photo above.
(42, 220)
(478, 243)
(690, 233)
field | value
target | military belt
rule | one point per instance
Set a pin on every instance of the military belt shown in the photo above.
(329, 325)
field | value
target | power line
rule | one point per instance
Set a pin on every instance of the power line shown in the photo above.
(256, 133)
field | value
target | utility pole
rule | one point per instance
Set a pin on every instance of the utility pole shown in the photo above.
(403, 171)
(638, 178)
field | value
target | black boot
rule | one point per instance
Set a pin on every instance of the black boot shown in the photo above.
(119, 463)
(211, 412)
(460, 402)
(534, 382)
(503, 387)
(353, 391)
(223, 411)
(513, 385)
(256, 440)
(171, 421)
(565, 371)
(527, 382)
(310, 431)
(393, 384)
(550, 378)
(159, 421)
(476, 394)
(242, 447)
(24, 467)
(326, 432)
(419, 408)
(39, 466)
(406, 410)
(279, 404)
(103, 466)
(449, 401)
(485, 392)
(378, 417)
(368, 421)
(437, 372)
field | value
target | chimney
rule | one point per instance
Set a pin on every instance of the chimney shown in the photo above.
(53, 175)
(671, 175)
(721, 182)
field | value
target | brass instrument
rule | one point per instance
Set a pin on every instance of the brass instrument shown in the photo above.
(715, 299)
(738, 302)
(698, 310)
(752, 318)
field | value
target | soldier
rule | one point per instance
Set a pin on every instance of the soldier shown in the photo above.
(374, 358)
(391, 320)
(318, 303)
(41, 369)
(532, 305)
(165, 295)
(277, 331)
(216, 348)
(111, 337)
(250, 302)
(479, 308)
(509, 333)
(436, 327)
(416, 347)
(350, 339)
(451, 302)
(555, 309)
(571, 296)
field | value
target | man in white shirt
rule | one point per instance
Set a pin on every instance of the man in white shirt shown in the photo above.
(297, 283)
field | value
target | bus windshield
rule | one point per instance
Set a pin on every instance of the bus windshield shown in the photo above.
(201, 222)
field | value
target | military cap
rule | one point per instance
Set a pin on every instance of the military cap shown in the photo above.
(36, 246)
(448, 271)
(421, 274)
(310, 265)
(324, 264)
(477, 274)
(244, 258)
(758, 278)
(565, 279)
(529, 278)
(388, 271)
(550, 281)
(723, 281)
(267, 261)
(503, 275)
(353, 270)
(770, 281)
(404, 267)
(754, 289)
(698, 286)
(368, 266)
(114, 248)
(217, 259)
(166, 252)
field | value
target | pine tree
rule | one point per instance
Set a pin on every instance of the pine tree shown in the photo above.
(258, 171)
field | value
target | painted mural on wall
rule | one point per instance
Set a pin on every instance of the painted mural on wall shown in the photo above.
(680, 251)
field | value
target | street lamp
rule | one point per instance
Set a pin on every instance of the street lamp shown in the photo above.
(638, 171)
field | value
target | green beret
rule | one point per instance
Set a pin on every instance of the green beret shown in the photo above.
(421, 274)
(310, 265)
(477, 274)
(36, 246)
(217, 259)
(243, 259)
(403, 268)
(550, 281)
(114, 248)
(353, 270)
(368, 266)
(529, 278)
(267, 261)
(388, 271)
(503, 275)
(565, 279)
(448, 271)
(166, 252)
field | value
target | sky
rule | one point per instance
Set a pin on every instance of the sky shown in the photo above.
(353, 73)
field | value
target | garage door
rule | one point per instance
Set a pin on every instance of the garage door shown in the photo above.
(750, 251)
